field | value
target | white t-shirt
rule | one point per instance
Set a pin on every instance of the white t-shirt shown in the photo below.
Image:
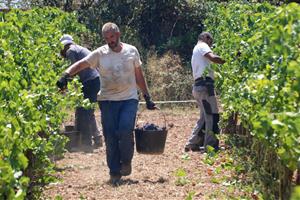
(199, 61)
(117, 72)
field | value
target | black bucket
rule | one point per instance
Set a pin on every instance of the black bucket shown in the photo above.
(73, 137)
(151, 141)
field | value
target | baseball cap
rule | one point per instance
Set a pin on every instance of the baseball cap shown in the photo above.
(66, 39)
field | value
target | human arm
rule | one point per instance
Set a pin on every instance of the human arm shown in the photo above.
(141, 83)
(71, 71)
(77, 67)
(214, 58)
(140, 80)
(91, 60)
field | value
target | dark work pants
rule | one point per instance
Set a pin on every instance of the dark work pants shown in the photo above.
(118, 121)
(207, 125)
(91, 88)
(85, 118)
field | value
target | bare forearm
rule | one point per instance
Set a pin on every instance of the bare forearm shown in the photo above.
(140, 81)
(218, 60)
(77, 67)
(214, 58)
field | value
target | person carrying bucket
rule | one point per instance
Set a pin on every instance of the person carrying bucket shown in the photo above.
(120, 71)
(203, 134)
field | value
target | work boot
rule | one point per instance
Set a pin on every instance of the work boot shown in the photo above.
(98, 142)
(125, 169)
(191, 147)
(115, 179)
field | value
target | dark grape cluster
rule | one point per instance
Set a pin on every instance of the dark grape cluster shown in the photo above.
(151, 127)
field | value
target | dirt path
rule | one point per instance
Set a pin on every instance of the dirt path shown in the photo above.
(172, 175)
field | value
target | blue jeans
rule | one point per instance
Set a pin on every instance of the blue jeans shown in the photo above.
(118, 121)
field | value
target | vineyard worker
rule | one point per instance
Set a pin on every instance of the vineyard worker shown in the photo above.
(204, 132)
(120, 70)
(85, 118)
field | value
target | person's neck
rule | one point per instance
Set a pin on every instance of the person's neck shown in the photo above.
(118, 48)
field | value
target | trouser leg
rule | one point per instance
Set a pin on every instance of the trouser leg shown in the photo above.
(125, 129)
(94, 126)
(95, 131)
(211, 120)
(82, 124)
(197, 137)
(90, 90)
(109, 119)
(210, 137)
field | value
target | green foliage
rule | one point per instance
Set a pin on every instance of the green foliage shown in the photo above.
(263, 83)
(190, 195)
(181, 177)
(185, 157)
(171, 25)
(31, 107)
(261, 78)
(296, 193)
(167, 78)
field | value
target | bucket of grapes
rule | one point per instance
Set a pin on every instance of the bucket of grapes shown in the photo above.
(150, 138)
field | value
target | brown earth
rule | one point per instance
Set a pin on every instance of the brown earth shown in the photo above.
(171, 175)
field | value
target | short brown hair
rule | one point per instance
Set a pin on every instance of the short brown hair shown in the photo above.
(109, 26)
(205, 35)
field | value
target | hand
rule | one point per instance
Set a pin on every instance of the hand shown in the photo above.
(63, 81)
(149, 103)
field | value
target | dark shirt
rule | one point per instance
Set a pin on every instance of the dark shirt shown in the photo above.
(76, 53)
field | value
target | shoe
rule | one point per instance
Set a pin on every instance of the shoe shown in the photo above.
(115, 179)
(202, 149)
(187, 149)
(98, 142)
(191, 147)
(125, 169)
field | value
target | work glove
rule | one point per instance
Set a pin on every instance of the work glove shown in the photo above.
(149, 103)
(63, 81)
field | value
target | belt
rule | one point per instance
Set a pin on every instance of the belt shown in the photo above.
(201, 81)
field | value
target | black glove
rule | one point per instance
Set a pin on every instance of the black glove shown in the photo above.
(63, 81)
(149, 103)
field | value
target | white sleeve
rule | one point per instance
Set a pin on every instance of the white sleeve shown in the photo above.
(204, 49)
(93, 58)
(137, 58)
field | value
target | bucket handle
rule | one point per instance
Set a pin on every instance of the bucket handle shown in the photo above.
(163, 114)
